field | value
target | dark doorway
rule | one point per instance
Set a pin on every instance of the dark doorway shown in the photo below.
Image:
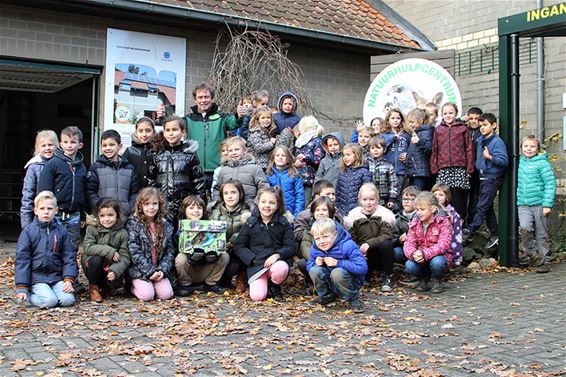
(25, 110)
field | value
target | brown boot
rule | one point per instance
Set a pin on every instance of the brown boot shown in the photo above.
(241, 283)
(94, 293)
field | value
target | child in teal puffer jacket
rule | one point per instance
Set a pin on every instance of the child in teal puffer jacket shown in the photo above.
(536, 189)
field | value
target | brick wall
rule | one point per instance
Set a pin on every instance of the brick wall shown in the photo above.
(337, 81)
(469, 26)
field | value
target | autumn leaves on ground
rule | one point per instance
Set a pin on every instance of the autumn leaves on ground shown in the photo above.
(483, 324)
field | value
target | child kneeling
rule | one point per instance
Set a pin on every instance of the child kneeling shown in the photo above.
(106, 256)
(264, 244)
(193, 264)
(427, 246)
(45, 265)
(336, 265)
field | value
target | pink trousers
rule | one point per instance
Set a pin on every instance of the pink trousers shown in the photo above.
(277, 273)
(147, 290)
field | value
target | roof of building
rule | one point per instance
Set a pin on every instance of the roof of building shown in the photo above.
(348, 18)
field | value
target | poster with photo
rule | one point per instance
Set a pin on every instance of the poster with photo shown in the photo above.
(143, 72)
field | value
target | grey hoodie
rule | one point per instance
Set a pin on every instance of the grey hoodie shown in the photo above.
(329, 167)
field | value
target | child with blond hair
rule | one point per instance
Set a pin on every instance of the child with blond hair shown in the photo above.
(308, 151)
(536, 189)
(45, 143)
(46, 264)
(336, 265)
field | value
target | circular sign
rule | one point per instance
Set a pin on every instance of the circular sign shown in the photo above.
(122, 114)
(408, 84)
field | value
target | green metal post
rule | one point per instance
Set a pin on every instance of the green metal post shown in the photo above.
(509, 131)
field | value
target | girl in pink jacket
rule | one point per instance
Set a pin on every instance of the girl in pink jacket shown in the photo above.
(427, 246)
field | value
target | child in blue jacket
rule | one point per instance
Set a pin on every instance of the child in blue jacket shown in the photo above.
(45, 143)
(46, 265)
(491, 162)
(397, 147)
(287, 116)
(281, 172)
(336, 265)
(419, 149)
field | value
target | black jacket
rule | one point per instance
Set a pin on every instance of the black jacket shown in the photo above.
(139, 155)
(67, 180)
(176, 172)
(258, 241)
(112, 179)
(139, 244)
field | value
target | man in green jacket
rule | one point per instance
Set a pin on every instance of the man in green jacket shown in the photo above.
(208, 126)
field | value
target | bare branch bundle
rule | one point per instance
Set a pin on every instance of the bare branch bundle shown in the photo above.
(252, 60)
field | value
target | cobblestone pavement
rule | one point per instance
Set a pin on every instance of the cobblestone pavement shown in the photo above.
(502, 324)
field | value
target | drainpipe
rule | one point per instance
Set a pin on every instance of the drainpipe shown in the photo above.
(515, 120)
(540, 84)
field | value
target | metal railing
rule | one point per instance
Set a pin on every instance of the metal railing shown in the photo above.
(485, 59)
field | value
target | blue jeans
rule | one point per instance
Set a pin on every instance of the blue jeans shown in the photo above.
(436, 267)
(46, 295)
(337, 281)
(73, 226)
(420, 182)
(399, 255)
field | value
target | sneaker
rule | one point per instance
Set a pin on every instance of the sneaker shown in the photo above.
(536, 260)
(275, 292)
(357, 306)
(493, 241)
(387, 283)
(324, 300)
(436, 286)
(545, 268)
(184, 290)
(466, 236)
(309, 290)
(214, 288)
(410, 281)
(422, 286)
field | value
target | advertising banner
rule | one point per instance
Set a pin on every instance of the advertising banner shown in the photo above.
(408, 84)
(143, 72)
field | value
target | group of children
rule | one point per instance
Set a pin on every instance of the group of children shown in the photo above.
(283, 193)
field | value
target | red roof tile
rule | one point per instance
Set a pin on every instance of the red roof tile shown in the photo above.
(352, 18)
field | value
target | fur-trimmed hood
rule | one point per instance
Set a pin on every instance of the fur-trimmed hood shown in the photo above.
(120, 221)
(380, 212)
(160, 144)
(282, 97)
(246, 160)
(136, 141)
(37, 159)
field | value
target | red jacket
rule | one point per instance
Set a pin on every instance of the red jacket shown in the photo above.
(436, 240)
(451, 147)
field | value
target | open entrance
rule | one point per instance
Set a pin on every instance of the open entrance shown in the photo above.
(36, 96)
